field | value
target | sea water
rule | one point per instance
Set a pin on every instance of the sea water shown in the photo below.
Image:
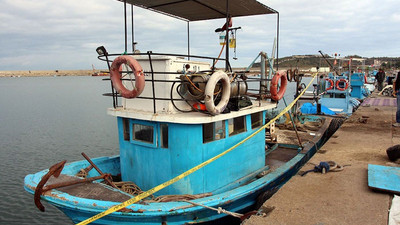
(44, 120)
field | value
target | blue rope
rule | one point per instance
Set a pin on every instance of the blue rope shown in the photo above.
(319, 168)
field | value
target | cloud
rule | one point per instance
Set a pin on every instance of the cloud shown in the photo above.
(63, 34)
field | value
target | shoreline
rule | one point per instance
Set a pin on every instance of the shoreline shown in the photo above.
(45, 73)
(51, 73)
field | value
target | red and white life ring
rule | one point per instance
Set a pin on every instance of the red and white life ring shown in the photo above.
(331, 85)
(209, 92)
(116, 75)
(342, 88)
(275, 94)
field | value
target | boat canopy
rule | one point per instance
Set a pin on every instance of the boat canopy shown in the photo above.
(196, 10)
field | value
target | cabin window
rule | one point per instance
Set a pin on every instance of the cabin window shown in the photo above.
(125, 124)
(213, 131)
(164, 135)
(144, 133)
(237, 125)
(256, 120)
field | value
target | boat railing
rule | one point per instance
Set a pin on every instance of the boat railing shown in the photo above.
(251, 79)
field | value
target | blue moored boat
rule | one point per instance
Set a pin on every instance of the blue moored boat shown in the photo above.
(339, 92)
(179, 115)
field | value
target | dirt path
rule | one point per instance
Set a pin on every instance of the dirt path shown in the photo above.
(340, 197)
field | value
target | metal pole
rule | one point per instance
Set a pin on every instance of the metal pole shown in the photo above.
(294, 125)
(152, 82)
(333, 68)
(227, 37)
(133, 31)
(271, 64)
(188, 40)
(107, 179)
(263, 83)
(126, 28)
(277, 44)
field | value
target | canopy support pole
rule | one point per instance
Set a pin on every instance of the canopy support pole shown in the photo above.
(133, 30)
(188, 40)
(126, 28)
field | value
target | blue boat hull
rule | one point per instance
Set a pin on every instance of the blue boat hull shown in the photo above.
(241, 199)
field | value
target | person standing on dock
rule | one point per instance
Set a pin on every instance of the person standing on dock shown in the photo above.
(380, 77)
(396, 91)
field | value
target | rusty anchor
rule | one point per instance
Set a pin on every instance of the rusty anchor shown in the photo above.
(55, 171)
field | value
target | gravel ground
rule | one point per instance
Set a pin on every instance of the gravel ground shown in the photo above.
(340, 197)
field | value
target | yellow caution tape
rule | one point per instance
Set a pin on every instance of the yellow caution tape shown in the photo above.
(194, 169)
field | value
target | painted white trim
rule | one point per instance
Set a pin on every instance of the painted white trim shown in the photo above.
(190, 117)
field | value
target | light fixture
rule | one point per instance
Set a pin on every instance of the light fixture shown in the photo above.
(101, 50)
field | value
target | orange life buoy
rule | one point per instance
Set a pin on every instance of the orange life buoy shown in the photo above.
(365, 79)
(340, 88)
(331, 85)
(275, 94)
(116, 75)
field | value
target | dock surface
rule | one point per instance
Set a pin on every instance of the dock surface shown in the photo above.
(341, 197)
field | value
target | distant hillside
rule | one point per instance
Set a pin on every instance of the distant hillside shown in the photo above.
(308, 61)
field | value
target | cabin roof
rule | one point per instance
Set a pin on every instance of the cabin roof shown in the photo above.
(196, 10)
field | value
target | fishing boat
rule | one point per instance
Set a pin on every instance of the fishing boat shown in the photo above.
(339, 92)
(192, 137)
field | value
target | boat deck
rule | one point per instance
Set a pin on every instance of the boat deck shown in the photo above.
(286, 135)
(341, 197)
(92, 190)
(280, 156)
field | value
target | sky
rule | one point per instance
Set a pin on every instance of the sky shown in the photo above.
(63, 34)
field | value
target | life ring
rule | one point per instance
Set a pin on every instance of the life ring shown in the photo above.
(209, 92)
(331, 85)
(340, 88)
(275, 94)
(116, 75)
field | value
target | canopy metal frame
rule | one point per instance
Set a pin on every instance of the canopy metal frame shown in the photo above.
(197, 10)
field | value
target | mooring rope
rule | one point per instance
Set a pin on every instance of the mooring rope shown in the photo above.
(219, 209)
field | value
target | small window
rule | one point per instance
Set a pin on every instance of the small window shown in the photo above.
(219, 130)
(208, 132)
(125, 123)
(143, 133)
(164, 135)
(213, 131)
(237, 125)
(256, 120)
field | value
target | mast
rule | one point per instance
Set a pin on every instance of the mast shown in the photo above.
(227, 37)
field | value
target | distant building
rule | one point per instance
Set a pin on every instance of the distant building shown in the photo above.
(321, 69)
(377, 63)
